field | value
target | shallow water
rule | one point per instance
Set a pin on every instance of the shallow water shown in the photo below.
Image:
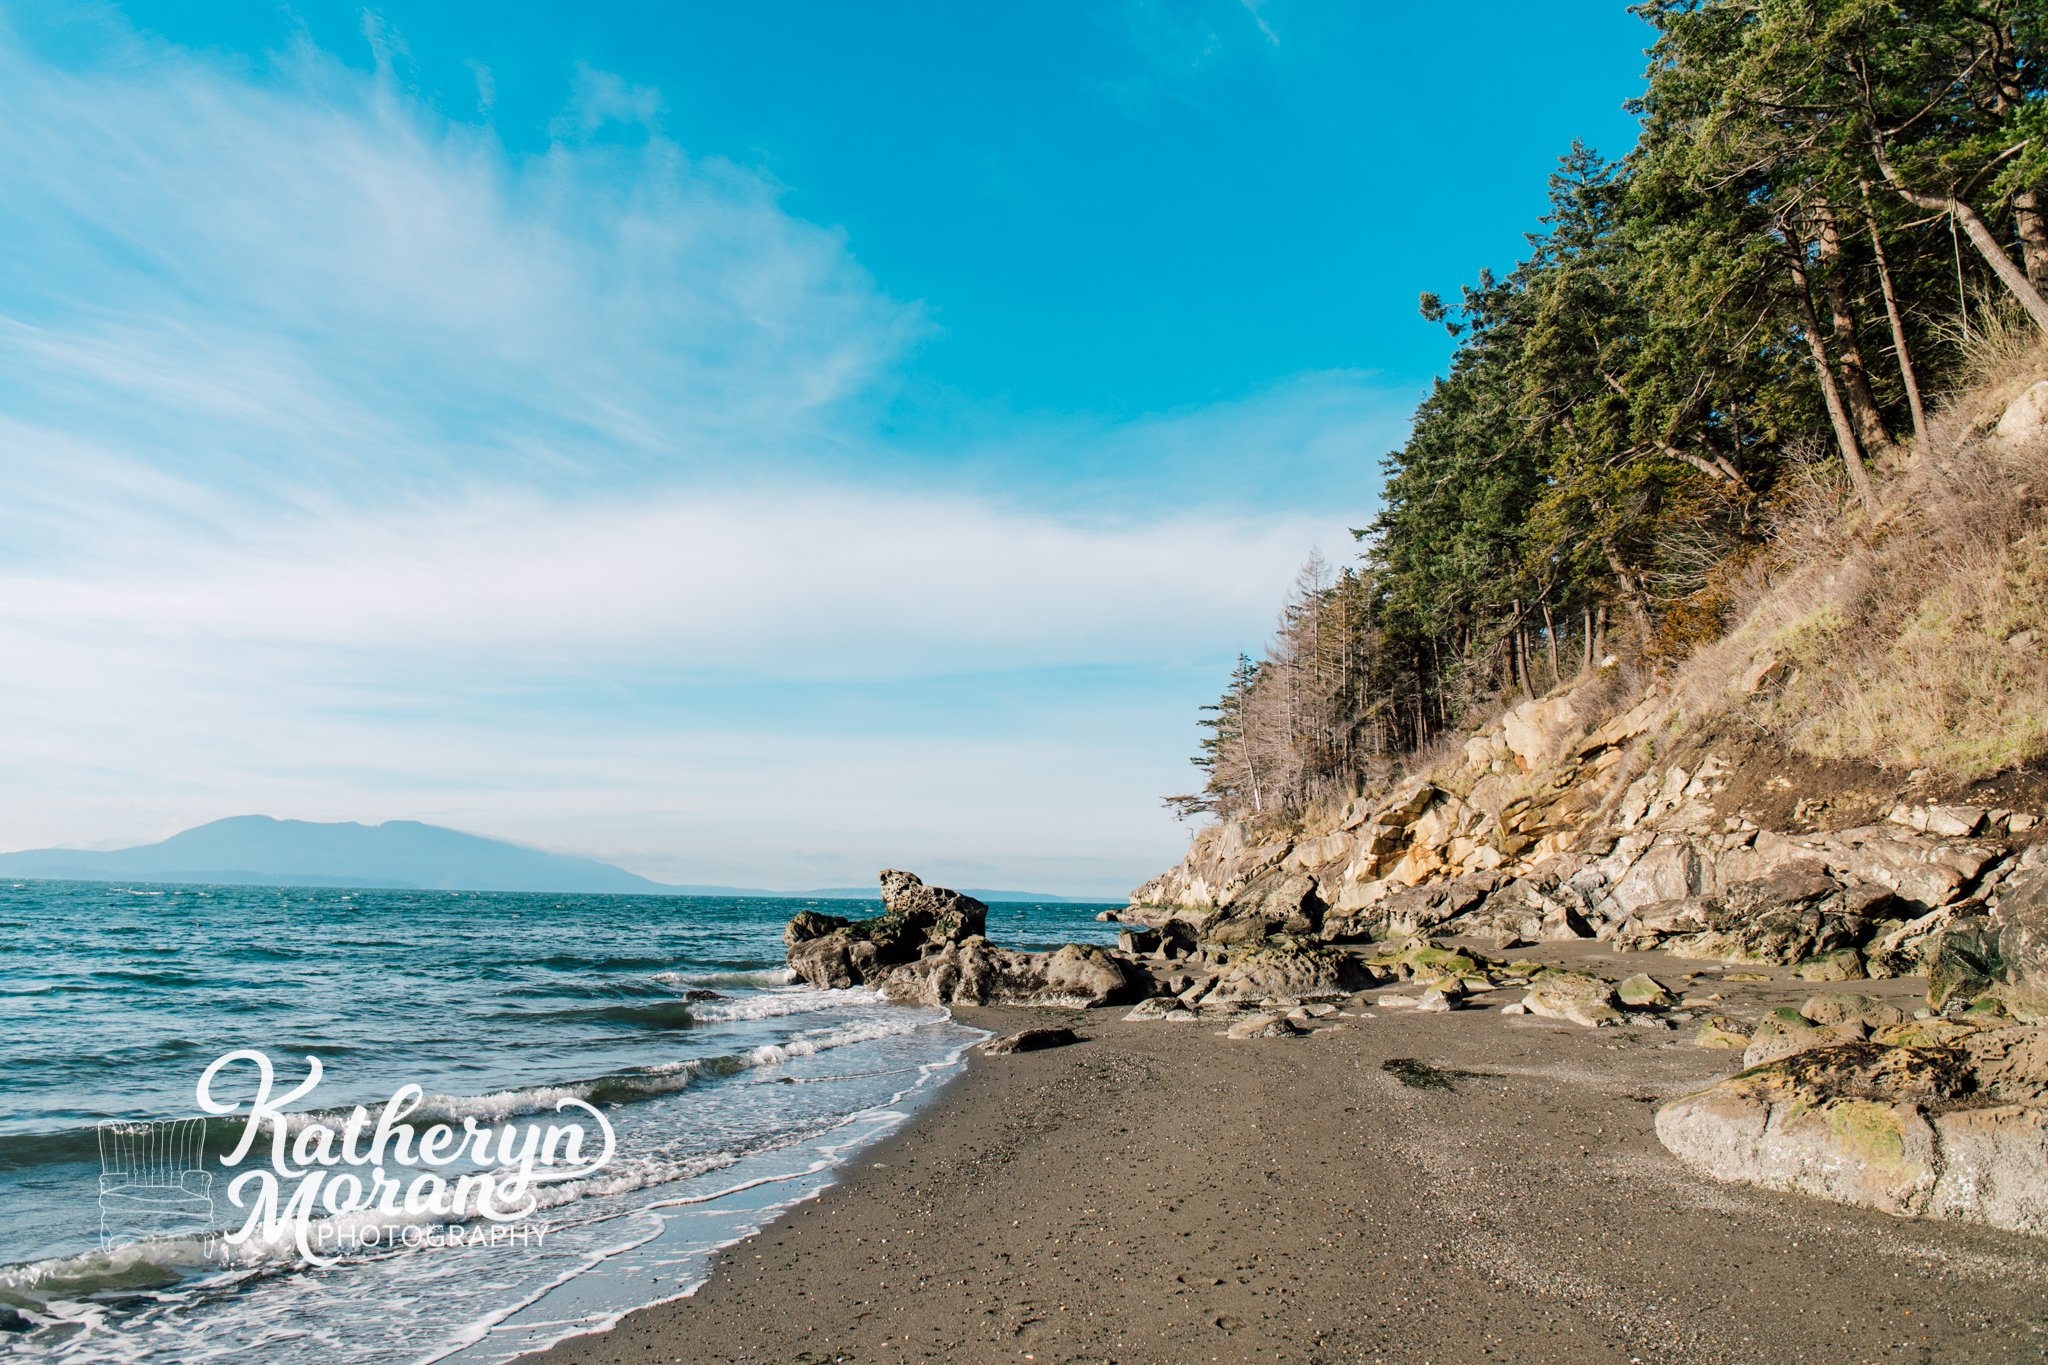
(725, 1107)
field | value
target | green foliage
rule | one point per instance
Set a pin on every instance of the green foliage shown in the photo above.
(1688, 322)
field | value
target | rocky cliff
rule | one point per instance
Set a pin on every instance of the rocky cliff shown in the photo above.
(1560, 820)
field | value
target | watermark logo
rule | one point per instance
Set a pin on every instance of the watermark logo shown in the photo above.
(323, 1184)
(153, 1179)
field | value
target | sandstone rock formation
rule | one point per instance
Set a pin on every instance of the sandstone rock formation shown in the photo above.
(1550, 824)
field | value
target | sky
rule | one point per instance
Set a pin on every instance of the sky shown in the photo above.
(751, 444)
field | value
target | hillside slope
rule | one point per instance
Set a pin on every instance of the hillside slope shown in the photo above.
(1853, 768)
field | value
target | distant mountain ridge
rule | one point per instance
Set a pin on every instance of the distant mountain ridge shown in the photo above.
(260, 850)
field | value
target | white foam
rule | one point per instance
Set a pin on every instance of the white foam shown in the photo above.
(256, 1303)
(776, 1004)
(763, 978)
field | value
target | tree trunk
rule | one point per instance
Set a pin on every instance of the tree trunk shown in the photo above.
(1252, 770)
(1518, 658)
(2026, 204)
(1817, 348)
(1631, 592)
(1870, 428)
(1981, 237)
(1586, 666)
(1550, 637)
(1898, 322)
(2033, 225)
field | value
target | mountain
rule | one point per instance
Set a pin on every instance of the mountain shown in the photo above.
(260, 851)
(257, 850)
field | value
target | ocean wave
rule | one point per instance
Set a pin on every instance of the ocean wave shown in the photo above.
(142, 977)
(755, 977)
(71, 1145)
(663, 1078)
(155, 1263)
(777, 1004)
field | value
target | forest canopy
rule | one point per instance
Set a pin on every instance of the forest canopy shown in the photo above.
(1780, 275)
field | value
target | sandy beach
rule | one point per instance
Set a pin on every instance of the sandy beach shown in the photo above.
(1158, 1193)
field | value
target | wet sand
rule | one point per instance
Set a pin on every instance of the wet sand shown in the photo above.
(1158, 1193)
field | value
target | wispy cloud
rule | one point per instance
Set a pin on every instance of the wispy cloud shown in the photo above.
(332, 278)
(1257, 10)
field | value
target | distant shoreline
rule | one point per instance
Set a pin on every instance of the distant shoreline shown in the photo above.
(400, 855)
(311, 882)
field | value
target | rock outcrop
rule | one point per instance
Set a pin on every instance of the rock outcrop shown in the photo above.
(976, 972)
(1576, 997)
(836, 953)
(1288, 969)
(1945, 1123)
(1551, 824)
(1580, 816)
(2003, 955)
(928, 947)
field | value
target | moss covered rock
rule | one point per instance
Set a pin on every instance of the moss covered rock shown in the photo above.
(1721, 1032)
(1290, 969)
(1576, 997)
(1844, 964)
(1643, 992)
(1937, 1132)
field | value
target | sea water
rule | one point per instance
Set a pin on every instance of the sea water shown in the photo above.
(731, 1091)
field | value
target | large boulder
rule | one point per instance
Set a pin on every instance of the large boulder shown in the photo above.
(1543, 906)
(2026, 417)
(1536, 731)
(1951, 1132)
(835, 953)
(1575, 997)
(1030, 1040)
(2021, 922)
(1414, 910)
(1290, 969)
(975, 972)
(2003, 955)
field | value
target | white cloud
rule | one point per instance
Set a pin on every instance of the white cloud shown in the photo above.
(810, 583)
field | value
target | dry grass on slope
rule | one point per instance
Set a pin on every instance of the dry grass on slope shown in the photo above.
(1918, 638)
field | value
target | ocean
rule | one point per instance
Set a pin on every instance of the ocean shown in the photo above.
(728, 1092)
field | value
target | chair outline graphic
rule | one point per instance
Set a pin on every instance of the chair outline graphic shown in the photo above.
(153, 1178)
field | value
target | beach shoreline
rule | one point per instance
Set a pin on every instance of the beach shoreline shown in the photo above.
(1158, 1192)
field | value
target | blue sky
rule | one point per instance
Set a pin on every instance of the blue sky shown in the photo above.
(748, 443)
